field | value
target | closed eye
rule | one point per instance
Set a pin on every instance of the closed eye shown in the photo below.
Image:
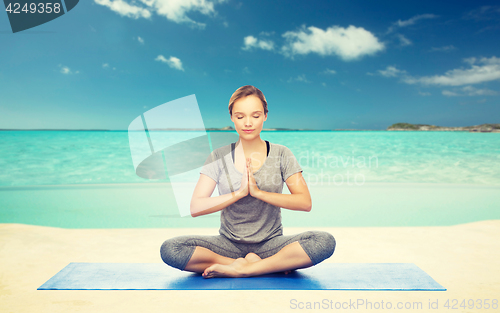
(242, 117)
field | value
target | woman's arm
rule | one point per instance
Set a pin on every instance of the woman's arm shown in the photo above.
(298, 200)
(202, 203)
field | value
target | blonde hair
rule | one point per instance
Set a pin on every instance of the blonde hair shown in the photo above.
(246, 91)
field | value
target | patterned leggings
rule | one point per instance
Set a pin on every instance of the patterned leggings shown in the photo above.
(177, 251)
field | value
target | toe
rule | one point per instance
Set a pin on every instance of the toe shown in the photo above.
(206, 272)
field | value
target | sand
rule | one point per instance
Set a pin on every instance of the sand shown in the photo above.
(463, 258)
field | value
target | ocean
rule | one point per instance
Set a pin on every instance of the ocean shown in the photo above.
(87, 179)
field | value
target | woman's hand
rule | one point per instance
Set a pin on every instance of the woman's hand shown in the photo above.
(243, 191)
(252, 185)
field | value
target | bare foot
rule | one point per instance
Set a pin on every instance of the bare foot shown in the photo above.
(234, 269)
(252, 257)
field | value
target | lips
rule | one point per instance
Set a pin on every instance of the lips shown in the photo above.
(248, 131)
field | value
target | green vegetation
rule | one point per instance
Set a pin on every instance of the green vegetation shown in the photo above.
(406, 126)
(484, 126)
(426, 127)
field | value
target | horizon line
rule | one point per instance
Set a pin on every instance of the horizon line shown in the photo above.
(207, 129)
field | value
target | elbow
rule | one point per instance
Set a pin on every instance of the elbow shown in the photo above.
(196, 208)
(194, 212)
(308, 206)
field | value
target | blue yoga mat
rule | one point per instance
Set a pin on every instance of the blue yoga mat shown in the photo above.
(323, 276)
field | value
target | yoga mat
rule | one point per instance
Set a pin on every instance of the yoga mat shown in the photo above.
(323, 276)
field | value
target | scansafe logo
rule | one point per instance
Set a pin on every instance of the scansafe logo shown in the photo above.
(27, 14)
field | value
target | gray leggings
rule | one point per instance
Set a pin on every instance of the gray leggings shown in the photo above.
(177, 251)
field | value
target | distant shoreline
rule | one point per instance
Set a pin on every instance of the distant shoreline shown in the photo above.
(483, 128)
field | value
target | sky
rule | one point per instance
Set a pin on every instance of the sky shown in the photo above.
(320, 64)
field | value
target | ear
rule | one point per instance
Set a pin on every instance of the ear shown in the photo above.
(265, 117)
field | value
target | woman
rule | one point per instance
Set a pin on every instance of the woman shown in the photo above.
(250, 240)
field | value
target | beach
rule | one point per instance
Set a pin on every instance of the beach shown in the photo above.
(462, 258)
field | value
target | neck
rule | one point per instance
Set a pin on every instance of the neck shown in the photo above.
(251, 145)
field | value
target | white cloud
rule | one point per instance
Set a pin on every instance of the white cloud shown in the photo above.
(252, 42)
(173, 62)
(486, 12)
(449, 93)
(174, 10)
(329, 71)
(66, 70)
(246, 70)
(410, 21)
(391, 71)
(414, 19)
(300, 78)
(480, 71)
(106, 66)
(469, 91)
(123, 8)
(471, 60)
(266, 33)
(443, 49)
(140, 40)
(404, 41)
(348, 43)
(424, 93)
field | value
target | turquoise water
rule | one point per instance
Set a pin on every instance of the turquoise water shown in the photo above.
(86, 179)
(94, 157)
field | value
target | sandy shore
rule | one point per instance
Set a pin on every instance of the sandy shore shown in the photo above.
(463, 258)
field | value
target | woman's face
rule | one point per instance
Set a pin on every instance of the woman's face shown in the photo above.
(248, 113)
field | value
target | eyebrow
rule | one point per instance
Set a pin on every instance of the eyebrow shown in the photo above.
(244, 113)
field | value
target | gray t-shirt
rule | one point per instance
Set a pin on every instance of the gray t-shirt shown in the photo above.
(249, 219)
